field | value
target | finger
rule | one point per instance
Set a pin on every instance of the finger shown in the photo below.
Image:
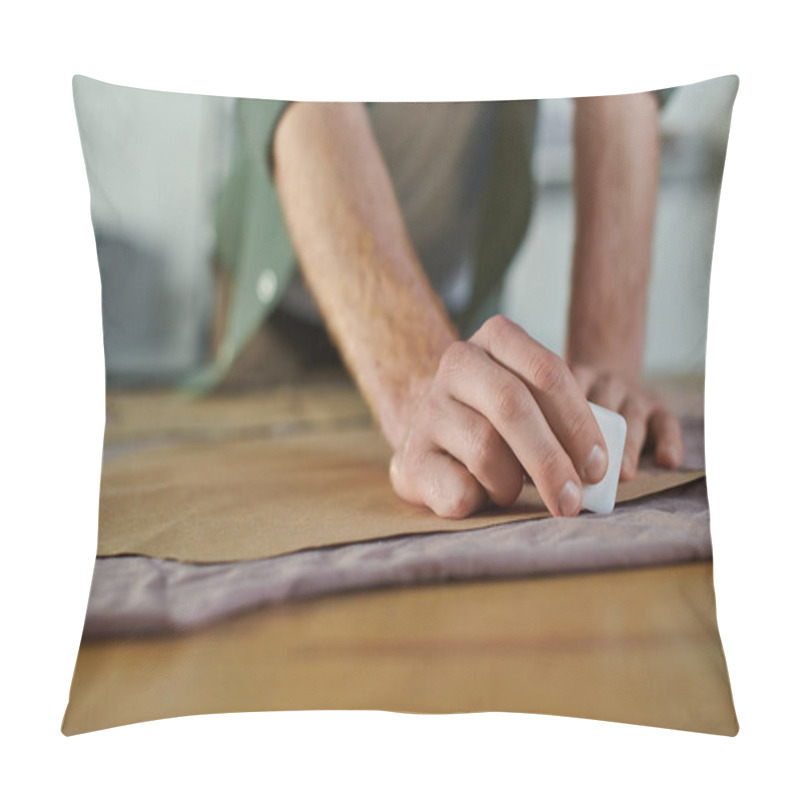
(437, 481)
(472, 440)
(665, 431)
(609, 392)
(584, 377)
(470, 376)
(635, 410)
(555, 390)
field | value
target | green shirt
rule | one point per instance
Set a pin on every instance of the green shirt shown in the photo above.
(253, 244)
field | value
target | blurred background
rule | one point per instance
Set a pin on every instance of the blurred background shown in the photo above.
(156, 162)
(694, 135)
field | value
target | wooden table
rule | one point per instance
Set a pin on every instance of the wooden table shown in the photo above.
(638, 646)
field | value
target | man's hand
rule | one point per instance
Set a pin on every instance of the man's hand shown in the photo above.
(647, 418)
(500, 405)
(467, 420)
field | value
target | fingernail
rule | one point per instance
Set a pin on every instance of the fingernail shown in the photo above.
(596, 465)
(569, 501)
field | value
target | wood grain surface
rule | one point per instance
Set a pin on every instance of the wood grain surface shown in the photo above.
(637, 646)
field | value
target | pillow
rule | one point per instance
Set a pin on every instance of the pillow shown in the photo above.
(246, 505)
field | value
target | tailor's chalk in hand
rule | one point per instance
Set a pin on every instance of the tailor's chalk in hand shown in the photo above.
(600, 497)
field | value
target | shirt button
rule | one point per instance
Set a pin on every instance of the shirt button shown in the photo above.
(267, 286)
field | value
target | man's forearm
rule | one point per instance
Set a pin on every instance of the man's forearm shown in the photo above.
(356, 257)
(466, 420)
(616, 184)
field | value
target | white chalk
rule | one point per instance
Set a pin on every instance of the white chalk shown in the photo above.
(600, 497)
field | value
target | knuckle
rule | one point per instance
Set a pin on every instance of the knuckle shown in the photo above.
(546, 371)
(459, 504)
(634, 412)
(578, 427)
(432, 409)
(659, 412)
(402, 474)
(496, 331)
(615, 385)
(411, 457)
(483, 445)
(553, 462)
(634, 443)
(665, 416)
(601, 381)
(637, 423)
(509, 402)
(582, 372)
(496, 326)
(454, 358)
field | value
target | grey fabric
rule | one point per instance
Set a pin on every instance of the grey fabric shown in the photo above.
(138, 595)
(135, 595)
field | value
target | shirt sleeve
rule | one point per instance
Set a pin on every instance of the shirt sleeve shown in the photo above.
(663, 96)
(253, 249)
(280, 109)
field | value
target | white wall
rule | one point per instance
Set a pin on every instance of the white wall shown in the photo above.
(154, 162)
